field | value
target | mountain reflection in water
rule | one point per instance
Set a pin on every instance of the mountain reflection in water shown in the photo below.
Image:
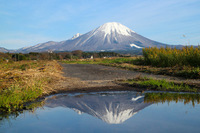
(112, 108)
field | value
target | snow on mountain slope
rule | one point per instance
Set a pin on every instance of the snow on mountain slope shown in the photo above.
(136, 98)
(112, 117)
(109, 36)
(113, 27)
(133, 45)
(75, 36)
(41, 47)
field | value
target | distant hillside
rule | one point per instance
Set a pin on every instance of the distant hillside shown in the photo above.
(3, 50)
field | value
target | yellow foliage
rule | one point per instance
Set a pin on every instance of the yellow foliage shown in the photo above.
(168, 57)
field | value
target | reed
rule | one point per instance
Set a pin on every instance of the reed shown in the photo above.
(169, 57)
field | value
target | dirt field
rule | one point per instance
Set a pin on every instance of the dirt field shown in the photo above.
(90, 77)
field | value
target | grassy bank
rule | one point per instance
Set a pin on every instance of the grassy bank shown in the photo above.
(158, 85)
(25, 81)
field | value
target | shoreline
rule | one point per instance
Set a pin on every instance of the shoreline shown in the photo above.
(117, 88)
(121, 87)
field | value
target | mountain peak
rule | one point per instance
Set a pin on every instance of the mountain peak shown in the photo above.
(114, 27)
(107, 37)
(75, 36)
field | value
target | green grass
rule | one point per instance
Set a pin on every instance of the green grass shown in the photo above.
(160, 85)
(117, 61)
(100, 61)
(79, 62)
(189, 72)
(15, 97)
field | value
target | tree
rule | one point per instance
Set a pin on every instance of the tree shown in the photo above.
(77, 53)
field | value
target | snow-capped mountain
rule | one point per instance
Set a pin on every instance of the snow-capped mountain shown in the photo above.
(39, 47)
(3, 50)
(112, 108)
(109, 36)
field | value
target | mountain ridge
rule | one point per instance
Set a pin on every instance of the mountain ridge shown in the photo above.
(4, 50)
(111, 36)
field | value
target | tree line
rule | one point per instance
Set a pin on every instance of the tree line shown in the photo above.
(77, 54)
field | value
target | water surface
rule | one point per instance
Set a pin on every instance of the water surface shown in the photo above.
(110, 112)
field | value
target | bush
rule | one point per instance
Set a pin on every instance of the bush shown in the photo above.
(169, 57)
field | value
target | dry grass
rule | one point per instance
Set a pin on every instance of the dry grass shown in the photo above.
(25, 81)
(184, 71)
(169, 57)
(39, 72)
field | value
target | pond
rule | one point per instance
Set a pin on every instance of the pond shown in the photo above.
(126, 111)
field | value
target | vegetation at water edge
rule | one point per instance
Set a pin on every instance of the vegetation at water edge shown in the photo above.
(172, 97)
(25, 81)
(159, 85)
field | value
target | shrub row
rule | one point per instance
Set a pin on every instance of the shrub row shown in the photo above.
(169, 57)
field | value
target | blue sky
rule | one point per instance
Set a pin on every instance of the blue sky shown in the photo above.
(29, 22)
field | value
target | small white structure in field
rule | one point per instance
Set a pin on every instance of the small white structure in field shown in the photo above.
(91, 57)
(50, 51)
